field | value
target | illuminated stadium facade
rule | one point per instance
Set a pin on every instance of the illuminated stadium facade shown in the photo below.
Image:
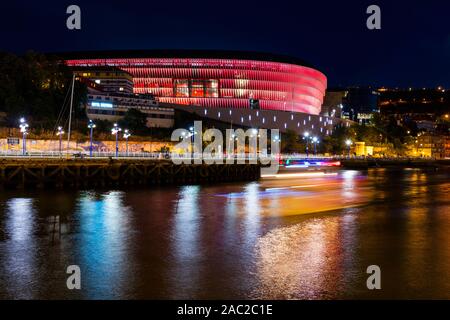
(217, 79)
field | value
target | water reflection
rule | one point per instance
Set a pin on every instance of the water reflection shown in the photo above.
(303, 261)
(302, 236)
(19, 252)
(103, 245)
(186, 234)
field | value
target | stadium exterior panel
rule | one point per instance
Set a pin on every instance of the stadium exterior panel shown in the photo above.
(221, 79)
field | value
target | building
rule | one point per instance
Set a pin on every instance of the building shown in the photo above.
(238, 89)
(333, 103)
(113, 106)
(110, 96)
(431, 145)
(359, 103)
(220, 79)
(105, 79)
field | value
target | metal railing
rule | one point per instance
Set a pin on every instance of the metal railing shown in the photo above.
(131, 155)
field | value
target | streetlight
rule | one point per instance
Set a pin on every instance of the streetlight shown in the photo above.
(277, 140)
(192, 134)
(115, 130)
(91, 126)
(315, 141)
(23, 128)
(348, 142)
(305, 136)
(60, 134)
(126, 135)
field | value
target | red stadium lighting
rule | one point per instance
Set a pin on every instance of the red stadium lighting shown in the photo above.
(222, 82)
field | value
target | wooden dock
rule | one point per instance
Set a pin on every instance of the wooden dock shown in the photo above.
(88, 173)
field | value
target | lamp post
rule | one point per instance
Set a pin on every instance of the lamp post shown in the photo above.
(277, 140)
(306, 136)
(126, 135)
(91, 126)
(115, 130)
(23, 128)
(348, 142)
(192, 134)
(315, 140)
(60, 134)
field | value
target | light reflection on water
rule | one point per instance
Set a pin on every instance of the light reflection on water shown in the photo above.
(249, 240)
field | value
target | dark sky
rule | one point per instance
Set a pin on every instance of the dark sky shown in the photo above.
(412, 49)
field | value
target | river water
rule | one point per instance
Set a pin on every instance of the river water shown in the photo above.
(294, 236)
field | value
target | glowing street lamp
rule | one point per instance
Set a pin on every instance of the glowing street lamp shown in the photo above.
(315, 141)
(23, 128)
(115, 130)
(60, 134)
(348, 142)
(91, 126)
(277, 140)
(192, 134)
(306, 136)
(126, 135)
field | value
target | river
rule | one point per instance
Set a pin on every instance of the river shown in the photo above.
(294, 236)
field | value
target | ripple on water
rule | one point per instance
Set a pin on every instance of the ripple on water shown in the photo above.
(303, 261)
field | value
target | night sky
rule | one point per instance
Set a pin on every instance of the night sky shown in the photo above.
(411, 49)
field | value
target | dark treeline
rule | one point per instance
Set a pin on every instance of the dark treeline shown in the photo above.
(37, 86)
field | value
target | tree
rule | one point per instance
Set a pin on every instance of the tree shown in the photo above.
(290, 142)
(135, 121)
(36, 86)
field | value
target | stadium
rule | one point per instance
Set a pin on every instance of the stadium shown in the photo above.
(221, 79)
